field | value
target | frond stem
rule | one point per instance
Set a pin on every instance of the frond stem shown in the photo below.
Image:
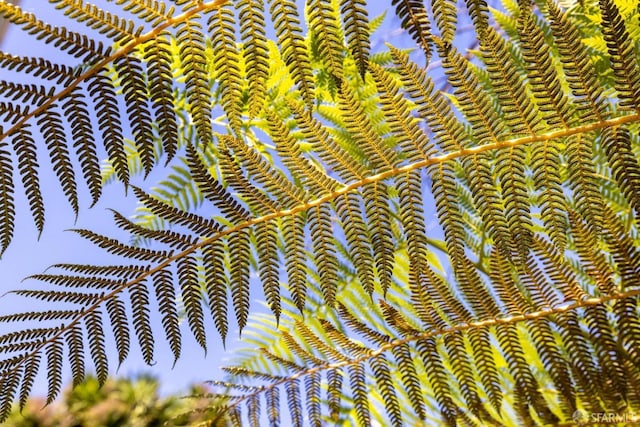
(445, 331)
(354, 186)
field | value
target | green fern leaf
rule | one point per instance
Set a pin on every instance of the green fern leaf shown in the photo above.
(226, 64)
(256, 58)
(324, 25)
(193, 56)
(294, 52)
(579, 71)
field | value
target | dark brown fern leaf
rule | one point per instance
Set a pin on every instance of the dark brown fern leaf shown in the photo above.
(356, 29)
(413, 17)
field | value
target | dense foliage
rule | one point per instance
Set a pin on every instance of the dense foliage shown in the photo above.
(309, 168)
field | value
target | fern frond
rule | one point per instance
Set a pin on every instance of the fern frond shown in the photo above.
(256, 58)
(134, 90)
(151, 11)
(382, 374)
(266, 242)
(582, 179)
(117, 248)
(104, 99)
(54, 369)
(411, 139)
(32, 366)
(546, 166)
(624, 164)
(193, 56)
(51, 126)
(413, 18)
(226, 64)
(294, 235)
(356, 232)
(39, 67)
(234, 176)
(74, 109)
(284, 15)
(309, 175)
(157, 55)
(479, 14)
(520, 114)
(112, 26)
(7, 210)
(76, 44)
(195, 223)
(273, 406)
(324, 25)
(319, 219)
(120, 327)
(542, 75)
(165, 295)
(623, 56)
(239, 275)
(360, 127)
(379, 215)
(264, 173)
(335, 157)
(578, 69)
(25, 147)
(356, 29)
(192, 297)
(139, 295)
(432, 362)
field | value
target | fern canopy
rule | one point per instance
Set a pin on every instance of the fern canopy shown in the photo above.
(442, 234)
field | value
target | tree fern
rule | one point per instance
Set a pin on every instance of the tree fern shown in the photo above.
(320, 183)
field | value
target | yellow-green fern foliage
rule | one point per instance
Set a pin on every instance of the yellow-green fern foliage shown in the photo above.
(443, 233)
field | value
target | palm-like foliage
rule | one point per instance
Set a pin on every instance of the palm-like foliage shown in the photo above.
(321, 184)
